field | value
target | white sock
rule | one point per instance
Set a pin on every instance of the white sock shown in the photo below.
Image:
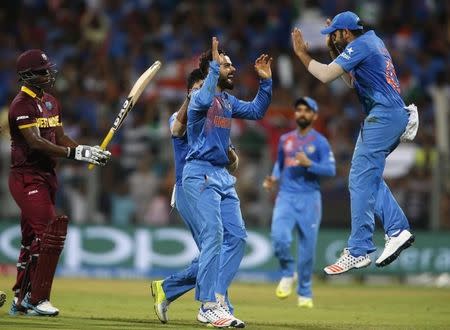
(220, 298)
(209, 305)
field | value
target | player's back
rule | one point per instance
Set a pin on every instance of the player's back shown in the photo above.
(370, 63)
(27, 111)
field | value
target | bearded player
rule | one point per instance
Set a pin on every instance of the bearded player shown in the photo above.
(207, 184)
(304, 156)
(171, 288)
(362, 60)
(37, 139)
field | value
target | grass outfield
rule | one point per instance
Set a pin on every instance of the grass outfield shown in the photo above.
(127, 304)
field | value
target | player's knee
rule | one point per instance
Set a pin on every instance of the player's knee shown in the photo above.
(54, 237)
(280, 247)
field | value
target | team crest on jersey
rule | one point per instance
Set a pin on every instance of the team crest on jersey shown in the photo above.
(49, 105)
(310, 148)
(39, 107)
(289, 146)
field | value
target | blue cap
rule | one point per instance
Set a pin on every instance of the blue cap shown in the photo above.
(309, 102)
(344, 20)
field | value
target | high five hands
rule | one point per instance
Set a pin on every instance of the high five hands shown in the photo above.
(262, 66)
(298, 43)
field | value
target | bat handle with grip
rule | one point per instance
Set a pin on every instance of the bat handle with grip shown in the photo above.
(104, 144)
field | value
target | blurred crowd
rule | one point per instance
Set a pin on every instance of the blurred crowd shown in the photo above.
(101, 47)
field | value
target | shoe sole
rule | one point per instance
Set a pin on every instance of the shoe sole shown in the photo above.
(344, 271)
(395, 255)
(2, 298)
(284, 296)
(33, 313)
(154, 290)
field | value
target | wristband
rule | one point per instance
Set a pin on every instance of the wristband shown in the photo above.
(70, 153)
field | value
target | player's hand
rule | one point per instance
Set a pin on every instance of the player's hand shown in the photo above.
(215, 51)
(302, 159)
(234, 160)
(299, 45)
(262, 66)
(269, 182)
(93, 155)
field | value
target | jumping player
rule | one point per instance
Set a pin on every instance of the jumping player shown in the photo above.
(365, 64)
(207, 184)
(304, 155)
(37, 138)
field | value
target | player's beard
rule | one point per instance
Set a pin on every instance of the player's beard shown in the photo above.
(225, 83)
(303, 123)
(340, 44)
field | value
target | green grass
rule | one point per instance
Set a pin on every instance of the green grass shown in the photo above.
(127, 304)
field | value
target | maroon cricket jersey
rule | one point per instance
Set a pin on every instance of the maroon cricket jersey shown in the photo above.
(28, 110)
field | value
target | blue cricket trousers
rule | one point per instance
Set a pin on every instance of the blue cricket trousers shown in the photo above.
(183, 281)
(303, 212)
(369, 194)
(210, 192)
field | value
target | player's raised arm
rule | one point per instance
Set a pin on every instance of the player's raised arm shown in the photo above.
(257, 108)
(202, 99)
(325, 73)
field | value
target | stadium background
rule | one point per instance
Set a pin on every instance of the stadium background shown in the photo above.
(121, 222)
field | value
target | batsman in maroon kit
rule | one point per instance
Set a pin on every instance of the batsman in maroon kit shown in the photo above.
(37, 139)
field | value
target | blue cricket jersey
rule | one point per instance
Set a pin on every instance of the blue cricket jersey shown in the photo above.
(180, 151)
(368, 61)
(210, 113)
(294, 178)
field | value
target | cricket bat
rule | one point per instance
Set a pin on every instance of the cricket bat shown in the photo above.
(129, 103)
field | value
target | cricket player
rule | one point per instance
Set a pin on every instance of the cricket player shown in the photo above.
(208, 186)
(168, 290)
(37, 139)
(304, 155)
(364, 63)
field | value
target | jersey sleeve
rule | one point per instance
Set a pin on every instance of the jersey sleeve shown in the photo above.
(326, 165)
(23, 114)
(257, 108)
(279, 163)
(202, 98)
(353, 54)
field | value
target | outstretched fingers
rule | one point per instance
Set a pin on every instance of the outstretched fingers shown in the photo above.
(298, 42)
(264, 59)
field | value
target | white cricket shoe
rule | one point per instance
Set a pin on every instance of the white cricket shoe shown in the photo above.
(223, 303)
(284, 288)
(346, 262)
(216, 316)
(43, 308)
(394, 246)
